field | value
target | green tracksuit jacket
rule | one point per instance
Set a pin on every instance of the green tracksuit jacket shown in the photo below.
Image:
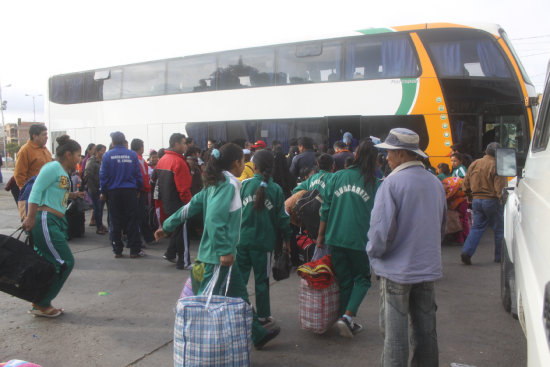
(346, 209)
(259, 228)
(317, 181)
(221, 209)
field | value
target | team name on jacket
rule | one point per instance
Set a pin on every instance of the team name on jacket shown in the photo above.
(353, 189)
(122, 158)
(252, 198)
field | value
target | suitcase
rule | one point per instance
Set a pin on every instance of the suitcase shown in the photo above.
(23, 273)
(76, 221)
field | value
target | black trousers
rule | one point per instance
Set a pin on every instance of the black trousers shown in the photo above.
(123, 213)
(179, 245)
(143, 218)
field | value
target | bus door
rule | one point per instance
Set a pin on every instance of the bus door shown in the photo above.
(338, 125)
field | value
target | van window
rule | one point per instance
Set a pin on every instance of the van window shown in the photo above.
(542, 128)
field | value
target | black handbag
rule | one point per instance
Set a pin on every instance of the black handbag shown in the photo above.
(281, 266)
(23, 273)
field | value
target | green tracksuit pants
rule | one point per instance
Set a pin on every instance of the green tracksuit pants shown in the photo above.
(50, 241)
(352, 270)
(237, 289)
(260, 261)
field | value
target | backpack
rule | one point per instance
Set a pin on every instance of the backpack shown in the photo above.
(307, 210)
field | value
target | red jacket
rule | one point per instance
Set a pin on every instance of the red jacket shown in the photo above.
(145, 173)
(174, 181)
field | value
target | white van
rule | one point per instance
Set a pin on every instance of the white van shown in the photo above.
(525, 264)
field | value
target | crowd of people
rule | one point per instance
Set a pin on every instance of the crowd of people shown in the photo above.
(383, 208)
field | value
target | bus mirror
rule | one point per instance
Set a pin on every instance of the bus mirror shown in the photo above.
(506, 162)
(102, 74)
(534, 101)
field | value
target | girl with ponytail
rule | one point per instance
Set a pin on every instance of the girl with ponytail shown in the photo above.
(345, 219)
(46, 219)
(221, 207)
(264, 217)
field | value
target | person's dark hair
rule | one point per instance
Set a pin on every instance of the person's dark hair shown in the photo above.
(36, 129)
(175, 138)
(281, 175)
(365, 158)
(100, 147)
(136, 144)
(161, 152)
(192, 151)
(444, 167)
(306, 142)
(293, 142)
(426, 162)
(189, 140)
(66, 144)
(459, 156)
(90, 147)
(348, 162)
(305, 172)
(276, 143)
(339, 145)
(229, 153)
(492, 148)
(153, 152)
(325, 162)
(263, 161)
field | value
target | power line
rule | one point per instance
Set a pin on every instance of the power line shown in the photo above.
(528, 38)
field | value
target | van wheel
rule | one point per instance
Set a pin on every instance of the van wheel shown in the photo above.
(506, 279)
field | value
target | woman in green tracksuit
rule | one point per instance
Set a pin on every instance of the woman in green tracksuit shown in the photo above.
(318, 181)
(264, 215)
(46, 219)
(220, 204)
(345, 218)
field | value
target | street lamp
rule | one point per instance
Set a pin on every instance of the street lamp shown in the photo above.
(2, 108)
(33, 96)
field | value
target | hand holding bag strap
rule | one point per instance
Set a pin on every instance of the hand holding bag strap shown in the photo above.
(210, 287)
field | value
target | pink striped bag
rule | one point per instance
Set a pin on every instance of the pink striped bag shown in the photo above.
(319, 308)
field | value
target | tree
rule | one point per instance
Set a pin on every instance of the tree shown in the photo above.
(12, 148)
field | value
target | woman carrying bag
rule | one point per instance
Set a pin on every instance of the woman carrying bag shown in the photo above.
(46, 218)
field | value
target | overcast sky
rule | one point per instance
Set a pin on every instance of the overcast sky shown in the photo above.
(42, 38)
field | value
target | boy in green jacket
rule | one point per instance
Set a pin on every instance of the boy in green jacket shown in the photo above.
(345, 218)
(220, 203)
(264, 215)
(319, 180)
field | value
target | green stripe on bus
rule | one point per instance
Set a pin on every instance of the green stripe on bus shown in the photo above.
(375, 30)
(409, 86)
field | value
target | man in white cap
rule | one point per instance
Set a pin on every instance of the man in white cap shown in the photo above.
(404, 247)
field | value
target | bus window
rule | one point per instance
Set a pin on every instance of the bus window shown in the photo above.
(381, 57)
(465, 54)
(506, 130)
(299, 67)
(144, 80)
(112, 86)
(191, 74)
(252, 68)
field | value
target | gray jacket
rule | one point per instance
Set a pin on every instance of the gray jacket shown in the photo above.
(407, 226)
(91, 173)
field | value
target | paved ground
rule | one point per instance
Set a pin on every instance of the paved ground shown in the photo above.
(133, 324)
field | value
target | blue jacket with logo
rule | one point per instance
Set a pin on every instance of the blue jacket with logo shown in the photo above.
(119, 170)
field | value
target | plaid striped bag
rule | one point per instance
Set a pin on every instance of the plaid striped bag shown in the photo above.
(212, 330)
(319, 308)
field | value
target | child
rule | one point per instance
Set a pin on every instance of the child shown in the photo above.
(263, 216)
(345, 219)
(459, 169)
(220, 204)
(443, 171)
(318, 181)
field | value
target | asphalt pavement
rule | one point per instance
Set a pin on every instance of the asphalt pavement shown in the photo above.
(120, 312)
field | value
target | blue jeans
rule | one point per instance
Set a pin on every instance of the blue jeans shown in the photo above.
(397, 303)
(486, 211)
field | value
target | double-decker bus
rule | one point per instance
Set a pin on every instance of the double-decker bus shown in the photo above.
(450, 83)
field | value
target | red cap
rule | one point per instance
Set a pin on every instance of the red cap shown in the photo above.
(259, 144)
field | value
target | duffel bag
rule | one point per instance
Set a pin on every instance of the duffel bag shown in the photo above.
(281, 266)
(319, 308)
(212, 330)
(23, 273)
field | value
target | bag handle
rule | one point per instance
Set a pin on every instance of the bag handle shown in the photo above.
(210, 286)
